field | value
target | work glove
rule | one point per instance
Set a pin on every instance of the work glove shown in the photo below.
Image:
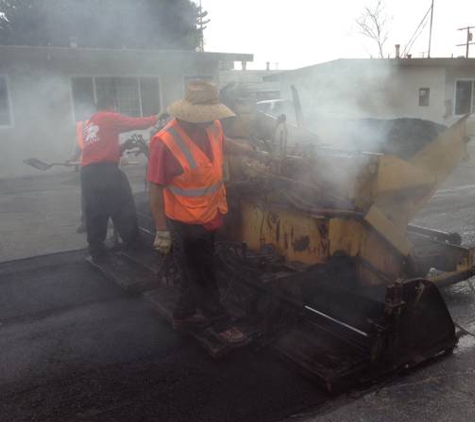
(162, 120)
(128, 144)
(162, 242)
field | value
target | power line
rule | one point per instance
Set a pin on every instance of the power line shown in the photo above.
(416, 33)
(430, 30)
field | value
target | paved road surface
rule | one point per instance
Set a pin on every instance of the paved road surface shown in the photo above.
(74, 347)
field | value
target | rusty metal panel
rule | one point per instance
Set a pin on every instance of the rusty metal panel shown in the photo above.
(441, 156)
(313, 239)
(380, 262)
(395, 174)
(346, 236)
(296, 237)
(397, 237)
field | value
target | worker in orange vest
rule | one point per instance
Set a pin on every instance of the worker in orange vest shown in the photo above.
(79, 146)
(80, 132)
(188, 202)
(75, 157)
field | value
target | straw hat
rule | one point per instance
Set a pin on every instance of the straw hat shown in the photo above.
(200, 105)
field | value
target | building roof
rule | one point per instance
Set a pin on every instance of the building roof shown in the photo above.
(341, 63)
(173, 54)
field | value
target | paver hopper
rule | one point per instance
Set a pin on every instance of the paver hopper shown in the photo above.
(347, 287)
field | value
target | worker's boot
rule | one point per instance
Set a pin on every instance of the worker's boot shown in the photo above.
(193, 321)
(81, 228)
(98, 254)
(99, 259)
(234, 336)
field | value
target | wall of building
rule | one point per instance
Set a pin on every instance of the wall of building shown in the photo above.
(405, 87)
(369, 89)
(39, 84)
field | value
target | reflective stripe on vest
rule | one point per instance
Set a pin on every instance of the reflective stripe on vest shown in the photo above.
(190, 193)
(184, 149)
(198, 194)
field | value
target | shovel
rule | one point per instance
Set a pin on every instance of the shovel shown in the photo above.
(41, 165)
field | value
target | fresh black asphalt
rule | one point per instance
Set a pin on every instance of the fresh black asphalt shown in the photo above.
(75, 347)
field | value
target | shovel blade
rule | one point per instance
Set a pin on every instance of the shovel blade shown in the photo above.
(37, 164)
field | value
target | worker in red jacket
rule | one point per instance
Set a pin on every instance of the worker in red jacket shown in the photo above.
(106, 189)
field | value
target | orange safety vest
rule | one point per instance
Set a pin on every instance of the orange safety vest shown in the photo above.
(80, 131)
(198, 194)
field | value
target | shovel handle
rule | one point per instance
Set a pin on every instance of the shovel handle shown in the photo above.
(69, 164)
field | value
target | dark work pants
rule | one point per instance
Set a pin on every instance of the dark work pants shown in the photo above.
(83, 208)
(193, 251)
(107, 194)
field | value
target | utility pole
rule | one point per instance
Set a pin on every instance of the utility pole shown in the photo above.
(201, 23)
(430, 30)
(469, 39)
(202, 42)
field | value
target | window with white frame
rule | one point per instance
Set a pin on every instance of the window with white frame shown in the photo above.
(424, 97)
(5, 112)
(464, 97)
(135, 96)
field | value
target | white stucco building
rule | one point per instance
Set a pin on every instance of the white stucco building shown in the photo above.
(437, 89)
(44, 91)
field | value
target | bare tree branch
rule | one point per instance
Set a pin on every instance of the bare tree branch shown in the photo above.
(374, 24)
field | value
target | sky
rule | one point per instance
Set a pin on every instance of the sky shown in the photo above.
(296, 33)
